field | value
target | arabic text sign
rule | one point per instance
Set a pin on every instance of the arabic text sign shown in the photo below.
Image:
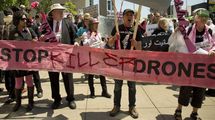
(153, 67)
(156, 43)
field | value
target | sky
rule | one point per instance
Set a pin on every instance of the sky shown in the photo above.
(145, 10)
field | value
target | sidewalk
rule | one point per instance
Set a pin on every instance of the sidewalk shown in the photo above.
(154, 102)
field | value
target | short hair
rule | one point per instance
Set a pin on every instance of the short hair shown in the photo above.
(163, 21)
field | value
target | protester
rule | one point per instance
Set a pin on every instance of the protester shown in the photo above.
(151, 18)
(126, 33)
(9, 74)
(142, 27)
(157, 17)
(211, 24)
(84, 28)
(21, 32)
(79, 21)
(65, 34)
(163, 27)
(92, 38)
(70, 18)
(35, 25)
(81, 30)
(200, 35)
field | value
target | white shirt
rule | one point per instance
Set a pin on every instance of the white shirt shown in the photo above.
(58, 34)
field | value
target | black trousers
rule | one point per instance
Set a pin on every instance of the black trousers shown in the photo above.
(37, 82)
(68, 84)
(91, 83)
(118, 92)
(10, 82)
(187, 92)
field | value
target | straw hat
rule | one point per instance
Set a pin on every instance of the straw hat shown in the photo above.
(57, 6)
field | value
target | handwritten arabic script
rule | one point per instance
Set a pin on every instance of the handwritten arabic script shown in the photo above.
(156, 43)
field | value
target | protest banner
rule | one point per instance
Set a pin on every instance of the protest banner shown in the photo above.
(135, 65)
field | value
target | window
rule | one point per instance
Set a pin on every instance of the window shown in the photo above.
(91, 2)
(109, 5)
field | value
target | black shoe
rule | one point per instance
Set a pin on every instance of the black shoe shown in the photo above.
(177, 115)
(55, 104)
(106, 94)
(195, 116)
(39, 94)
(9, 100)
(72, 105)
(210, 92)
(133, 112)
(114, 111)
(92, 96)
(1, 89)
(30, 107)
(16, 107)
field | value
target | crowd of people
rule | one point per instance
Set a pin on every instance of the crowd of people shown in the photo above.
(18, 25)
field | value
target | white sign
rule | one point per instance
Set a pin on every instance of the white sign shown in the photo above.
(150, 29)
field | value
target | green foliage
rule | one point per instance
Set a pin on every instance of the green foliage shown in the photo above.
(71, 8)
(22, 2)
(7, 3)
(212, 8)
(45, 5)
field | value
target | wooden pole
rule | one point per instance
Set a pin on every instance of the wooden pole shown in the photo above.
(116, 25)
(115, 16)
(136, 24)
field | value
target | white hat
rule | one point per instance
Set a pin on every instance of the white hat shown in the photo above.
(22, 6)
(198, 9)
(57, 6)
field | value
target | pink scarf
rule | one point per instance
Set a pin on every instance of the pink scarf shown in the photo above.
(192, 38)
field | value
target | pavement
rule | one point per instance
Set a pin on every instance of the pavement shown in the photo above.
(154, 102)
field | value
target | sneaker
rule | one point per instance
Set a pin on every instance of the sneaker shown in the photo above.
(114, 111)
(195, 116)
(133, 112)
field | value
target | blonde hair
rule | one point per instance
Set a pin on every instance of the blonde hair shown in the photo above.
(163, 22)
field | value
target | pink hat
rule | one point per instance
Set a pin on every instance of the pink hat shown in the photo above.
(95, 21)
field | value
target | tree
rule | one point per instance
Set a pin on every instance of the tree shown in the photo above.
(45, 5)
(22, 2)
(212, 8)
(7, 3)
(71, 8)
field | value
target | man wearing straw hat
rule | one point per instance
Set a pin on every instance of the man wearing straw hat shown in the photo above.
(65, 33)
(126, 42)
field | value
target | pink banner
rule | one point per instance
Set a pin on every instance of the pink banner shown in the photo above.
(141, 66)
